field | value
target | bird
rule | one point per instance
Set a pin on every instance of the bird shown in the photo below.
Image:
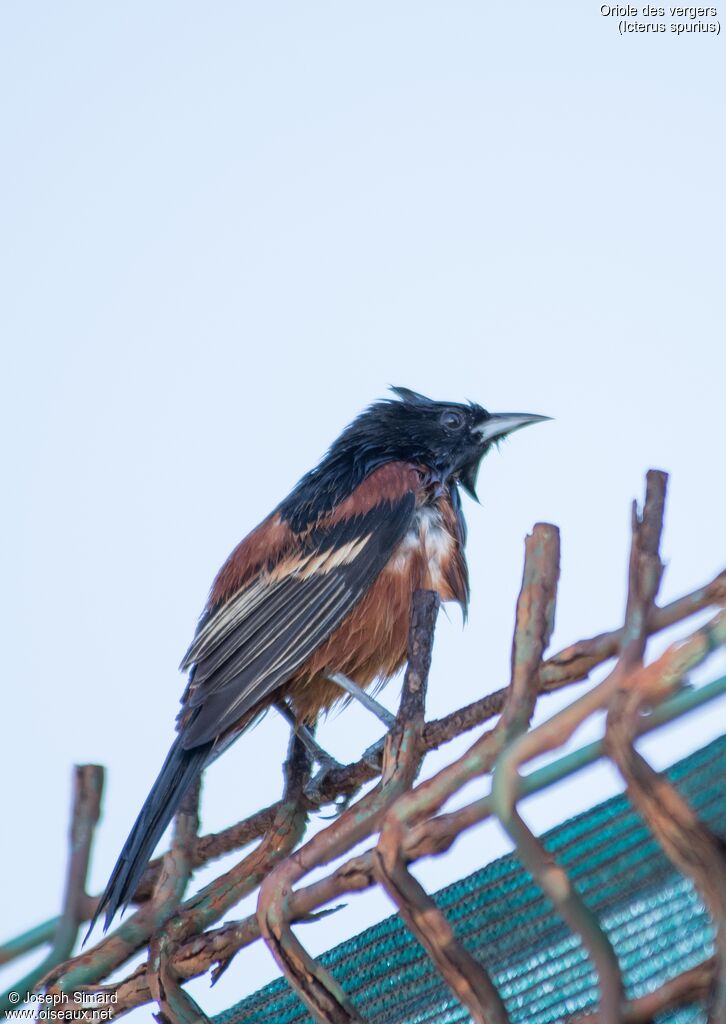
(319, 593)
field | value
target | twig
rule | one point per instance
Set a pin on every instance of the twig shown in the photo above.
(466, 977)
(644, 572)
(212, 902)
(644, 577)
(686, 841)
(288, 828)
(286, 831)
(215, 845)
(323, 996)
(573, 664)
(76, 974)
(175, 1005)
(85, 809)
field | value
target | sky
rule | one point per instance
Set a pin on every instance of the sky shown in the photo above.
(224, 230)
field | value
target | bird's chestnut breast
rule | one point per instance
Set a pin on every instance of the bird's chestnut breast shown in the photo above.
(371, 644)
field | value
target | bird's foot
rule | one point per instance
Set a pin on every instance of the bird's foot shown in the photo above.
(315, 789)
(372, 756)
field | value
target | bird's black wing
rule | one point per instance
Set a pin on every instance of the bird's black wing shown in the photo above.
(257, 639)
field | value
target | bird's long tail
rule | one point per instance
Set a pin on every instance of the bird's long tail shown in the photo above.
(178, 772)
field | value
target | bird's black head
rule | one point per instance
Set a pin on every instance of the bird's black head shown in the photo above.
(450, 438)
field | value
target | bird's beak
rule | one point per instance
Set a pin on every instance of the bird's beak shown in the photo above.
(499, 424)
(496, 426)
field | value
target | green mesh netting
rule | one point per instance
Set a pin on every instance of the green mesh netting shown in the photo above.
(653, 917)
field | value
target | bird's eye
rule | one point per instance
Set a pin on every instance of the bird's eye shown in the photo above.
(452, 420)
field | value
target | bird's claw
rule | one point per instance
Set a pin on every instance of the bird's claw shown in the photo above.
(340, 804)
(314, 789)
(372, 756)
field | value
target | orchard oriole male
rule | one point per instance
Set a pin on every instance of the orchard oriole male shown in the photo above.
(323, 587)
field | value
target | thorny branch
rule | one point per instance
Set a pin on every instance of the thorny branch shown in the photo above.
(179, 938)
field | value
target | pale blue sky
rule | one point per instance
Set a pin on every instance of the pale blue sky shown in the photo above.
(224, 229)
